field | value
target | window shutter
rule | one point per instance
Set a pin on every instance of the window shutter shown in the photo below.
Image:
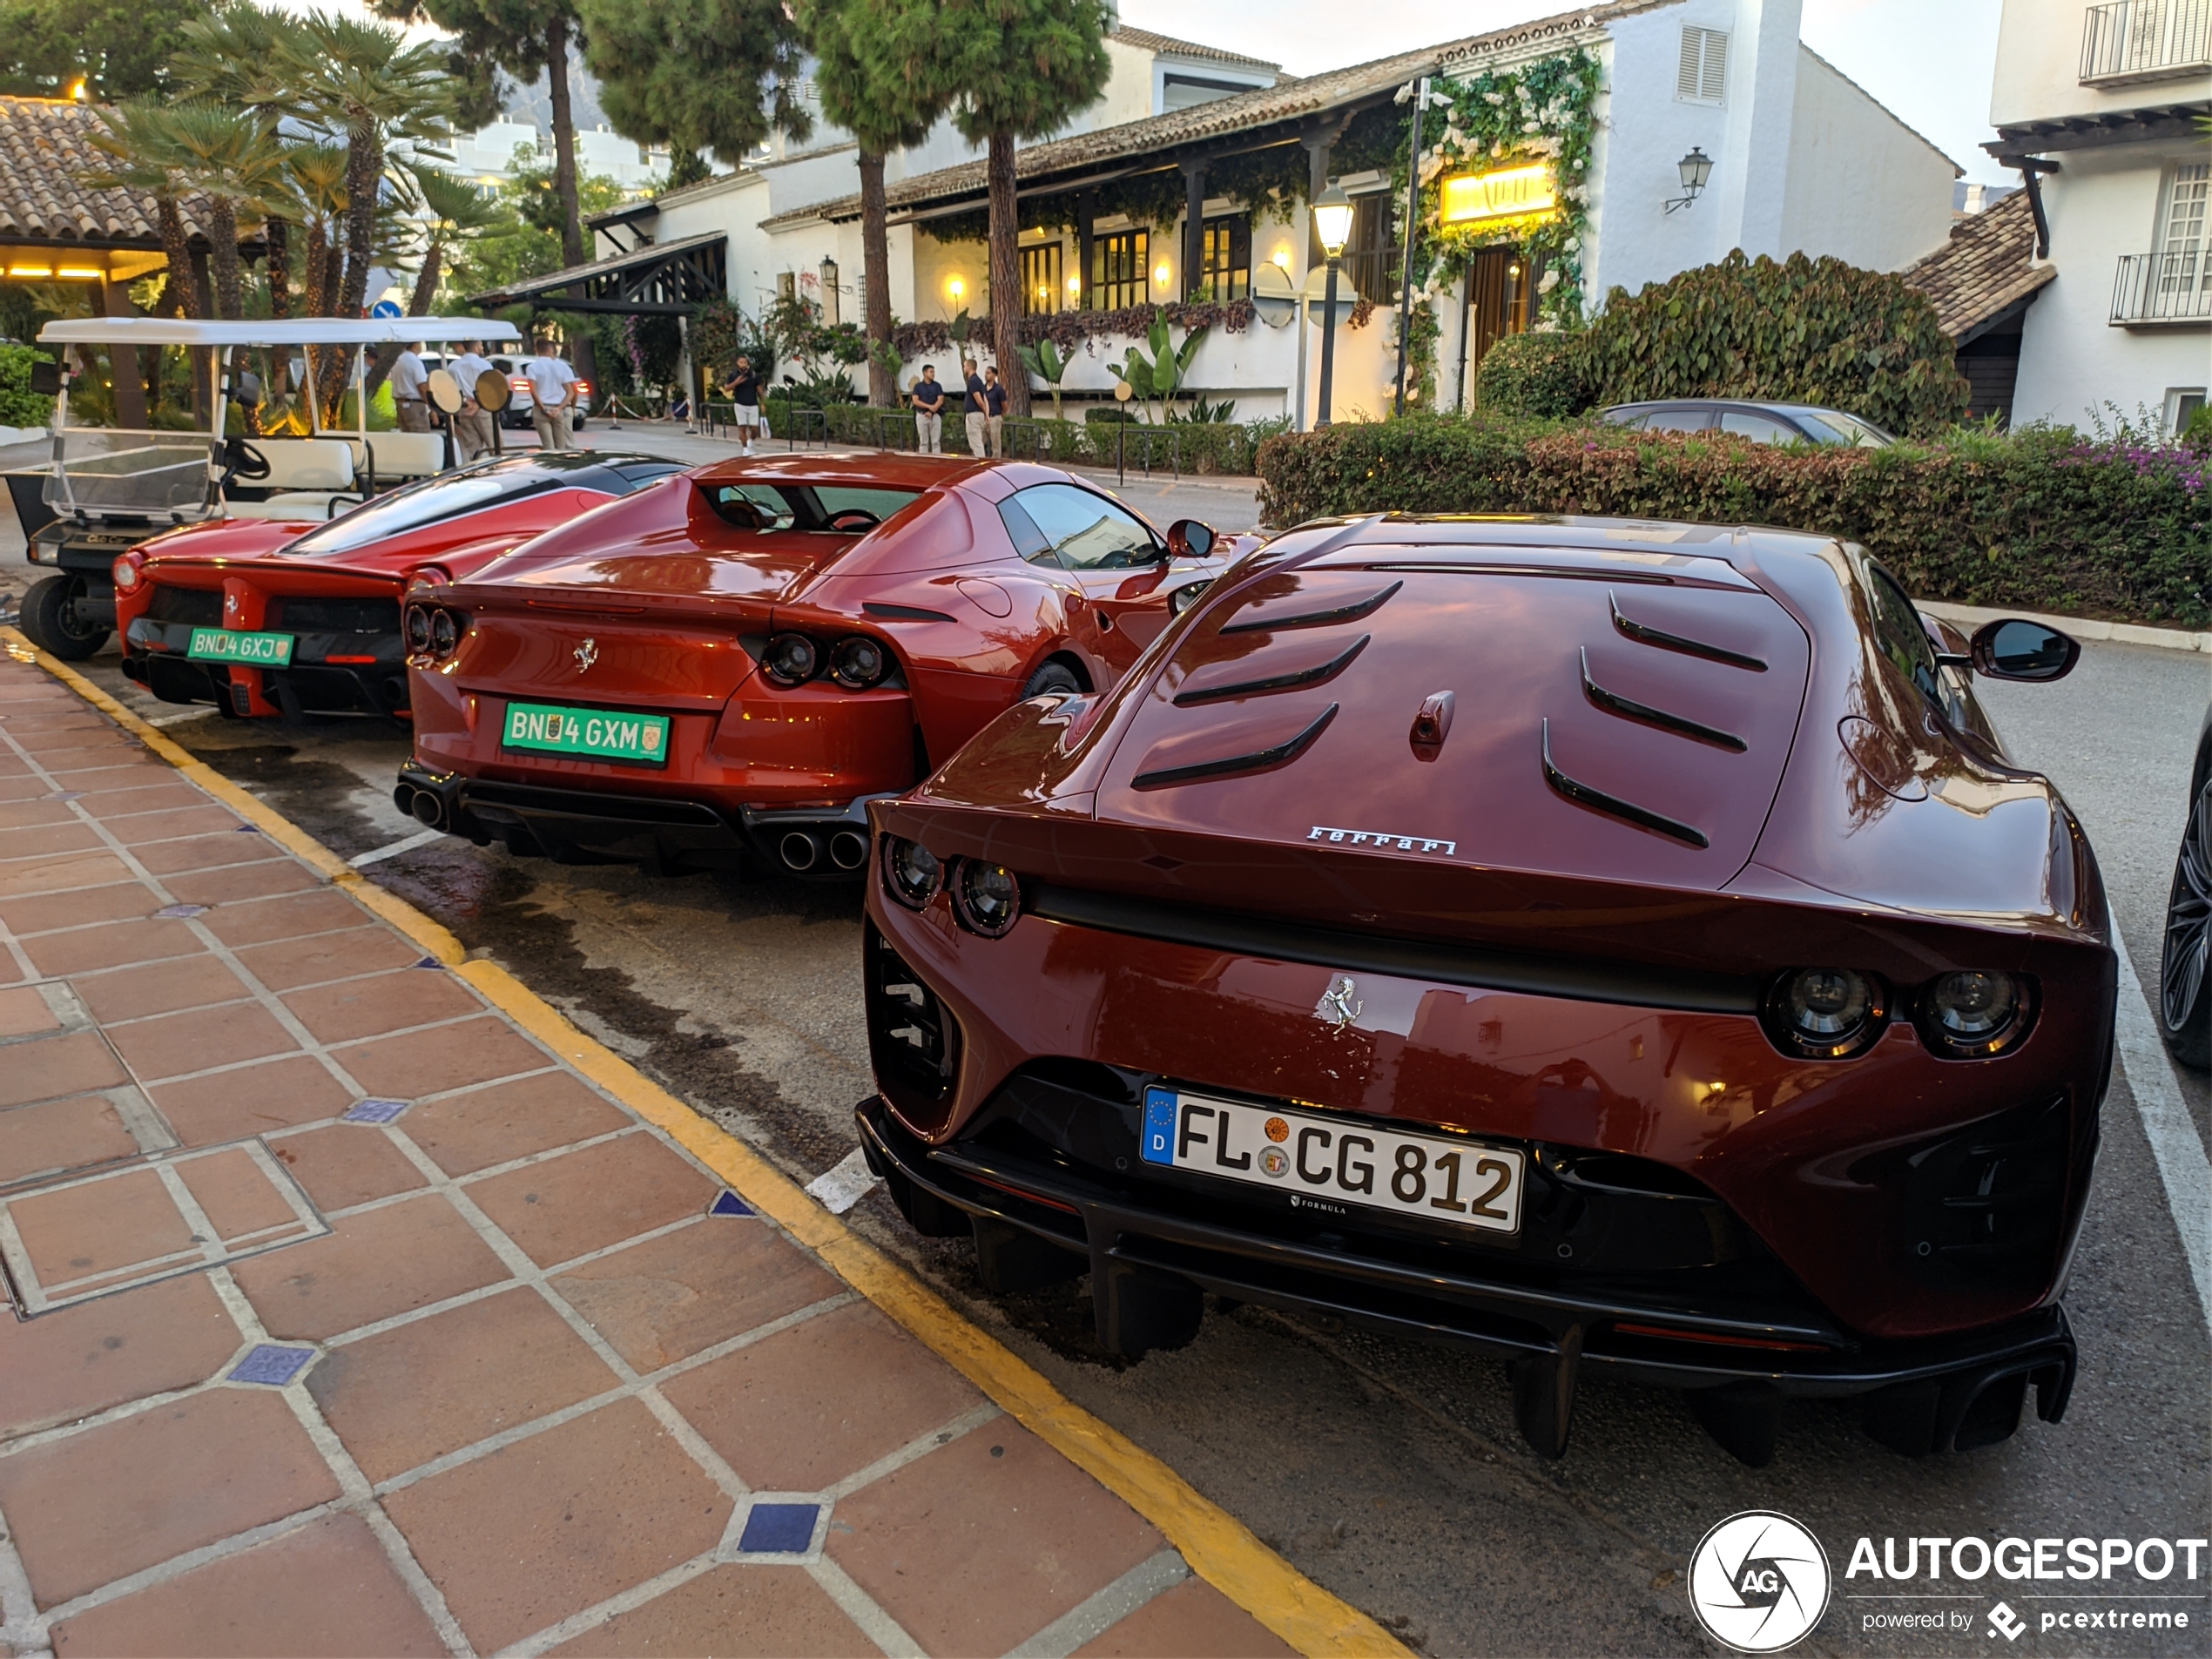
(1702, 75)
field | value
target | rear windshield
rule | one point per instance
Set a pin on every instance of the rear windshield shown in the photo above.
(846, 510)
(447, 496)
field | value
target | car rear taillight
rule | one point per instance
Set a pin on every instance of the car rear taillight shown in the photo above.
(428, 577)
(520, 383)
(1825, 1013)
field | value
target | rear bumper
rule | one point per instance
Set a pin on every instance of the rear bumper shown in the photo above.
(154, 654)
(667, 831)
(1932, 1385)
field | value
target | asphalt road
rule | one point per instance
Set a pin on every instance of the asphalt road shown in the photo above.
(1390, 1471)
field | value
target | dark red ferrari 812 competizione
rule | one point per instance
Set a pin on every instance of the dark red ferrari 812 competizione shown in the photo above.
(1617, 946)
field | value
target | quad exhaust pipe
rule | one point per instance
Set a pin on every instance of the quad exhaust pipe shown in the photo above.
(422, 804)
(848, 849)
(800, 850)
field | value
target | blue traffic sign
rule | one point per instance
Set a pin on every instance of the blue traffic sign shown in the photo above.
(385, 309)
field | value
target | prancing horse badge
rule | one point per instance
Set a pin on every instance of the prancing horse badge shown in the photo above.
(1336, 1004)
(586, 654)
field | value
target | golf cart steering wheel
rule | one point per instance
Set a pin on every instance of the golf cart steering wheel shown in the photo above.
(242, 460)
(853, 521)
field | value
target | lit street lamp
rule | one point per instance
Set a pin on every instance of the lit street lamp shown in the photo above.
(1332, 224)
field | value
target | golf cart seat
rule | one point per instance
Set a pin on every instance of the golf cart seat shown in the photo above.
(402, 456)
(304, 476)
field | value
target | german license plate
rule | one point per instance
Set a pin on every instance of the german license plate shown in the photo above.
(1332, 1162)
(237, 645)
(598, 734)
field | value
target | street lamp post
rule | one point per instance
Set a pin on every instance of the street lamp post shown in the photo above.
(1332, 224)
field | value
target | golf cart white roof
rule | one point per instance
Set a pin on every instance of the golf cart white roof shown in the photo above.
(288, 331)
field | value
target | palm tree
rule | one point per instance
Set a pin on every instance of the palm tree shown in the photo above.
(145, 161)
(444, 211)
(361, 83)
(237, 166)
(230, 57)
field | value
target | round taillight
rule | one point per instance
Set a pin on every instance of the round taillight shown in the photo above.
(1825, 1013)
(428, 577)
(417, 628)
(913, 872)
(445, 633)
(859, 662)
(124, 571)
(990, 898)
(791, 660)
(1973, 1014)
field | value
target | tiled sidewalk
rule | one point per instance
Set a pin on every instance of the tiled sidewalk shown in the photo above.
(358, 1325)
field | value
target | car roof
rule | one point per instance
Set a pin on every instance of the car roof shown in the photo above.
(1763, 405)
(1587, 532)
(889, 471)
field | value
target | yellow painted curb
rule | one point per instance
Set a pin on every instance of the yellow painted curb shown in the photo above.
(1219, 1548)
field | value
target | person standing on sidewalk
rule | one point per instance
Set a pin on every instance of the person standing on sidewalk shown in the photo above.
(743, 389)
(552, 390)
(472, 433)
(994, 411)
(977, 409)
(929, 397)
(408, 380)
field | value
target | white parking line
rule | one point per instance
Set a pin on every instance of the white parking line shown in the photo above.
(392, 850)
(2173, 1136)
(189, 714)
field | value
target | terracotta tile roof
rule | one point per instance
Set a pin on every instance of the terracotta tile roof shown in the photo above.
(1145, 40)
(45, 153)
(1268, 106)
(1987, 267)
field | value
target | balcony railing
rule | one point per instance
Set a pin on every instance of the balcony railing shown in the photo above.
(2153, 288)
(2146, 40)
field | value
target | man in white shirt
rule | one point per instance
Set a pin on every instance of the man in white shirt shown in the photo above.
(552, 390)
(409, 379)
(472, 429)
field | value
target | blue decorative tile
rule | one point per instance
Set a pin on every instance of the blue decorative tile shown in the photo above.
(778, 1528)
(430, 962)
(179, 912)
(272, 1365)
(727, 1203)
(247, 829)
(67, 794)
(375, 1111)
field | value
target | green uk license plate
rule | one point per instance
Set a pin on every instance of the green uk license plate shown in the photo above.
(236, 645)
(602, 734)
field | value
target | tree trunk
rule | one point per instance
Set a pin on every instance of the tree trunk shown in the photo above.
(176, 246)
(1006, 276)
(582, 357)
(364, 179)
(875, 257)
(230, 277)
(276, 235)
(318, 294)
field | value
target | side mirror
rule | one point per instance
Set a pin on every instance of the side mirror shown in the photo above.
(45, 379)
(1188, 539)
(2015, 649)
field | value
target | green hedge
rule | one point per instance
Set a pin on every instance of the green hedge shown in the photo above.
(1214, 447)
(2040, 520)
(1536, 374)
(19, 405)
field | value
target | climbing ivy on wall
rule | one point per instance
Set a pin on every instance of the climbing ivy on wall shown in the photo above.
(1532, 112)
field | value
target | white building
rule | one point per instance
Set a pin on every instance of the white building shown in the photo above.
(1801, 158)
(2099, 104)
(488, 154)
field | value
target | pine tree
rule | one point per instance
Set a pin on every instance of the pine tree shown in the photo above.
(697, 75)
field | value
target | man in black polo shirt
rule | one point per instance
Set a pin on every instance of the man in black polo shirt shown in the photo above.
(744, 391)
(977, 406)
(929, 397)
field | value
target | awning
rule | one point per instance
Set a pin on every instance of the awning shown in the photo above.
(659, 279)
(288, 331)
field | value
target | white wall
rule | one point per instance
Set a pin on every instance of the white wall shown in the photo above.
(2039, 69)
(1862, 185)
(2101, 206)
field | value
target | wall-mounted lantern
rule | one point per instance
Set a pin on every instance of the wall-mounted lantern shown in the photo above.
(830, 308)
(1696, 168)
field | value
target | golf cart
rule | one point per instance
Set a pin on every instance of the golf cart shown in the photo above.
(106, 490)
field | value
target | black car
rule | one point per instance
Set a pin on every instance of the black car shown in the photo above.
(2184, 1011)
(1760, 423)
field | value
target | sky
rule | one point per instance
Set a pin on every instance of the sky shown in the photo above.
(1929, 61)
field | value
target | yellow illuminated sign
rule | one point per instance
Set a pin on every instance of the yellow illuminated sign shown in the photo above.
(1511, 192)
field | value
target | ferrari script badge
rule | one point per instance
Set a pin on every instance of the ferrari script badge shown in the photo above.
(1336, 1004)
(586, 654)
(1379, 840)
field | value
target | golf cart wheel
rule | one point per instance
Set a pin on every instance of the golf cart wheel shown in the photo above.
(50, 618)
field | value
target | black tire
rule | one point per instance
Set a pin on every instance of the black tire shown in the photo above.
(1052, 680)
(49, 619)
(2184, 1009)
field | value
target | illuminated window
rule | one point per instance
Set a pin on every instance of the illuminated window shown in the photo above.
(1040, 279)
(1227, 267)
(1118, 274)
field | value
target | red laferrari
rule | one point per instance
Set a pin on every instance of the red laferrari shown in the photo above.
(265, 618)
(743, 655)
(1613, 947)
